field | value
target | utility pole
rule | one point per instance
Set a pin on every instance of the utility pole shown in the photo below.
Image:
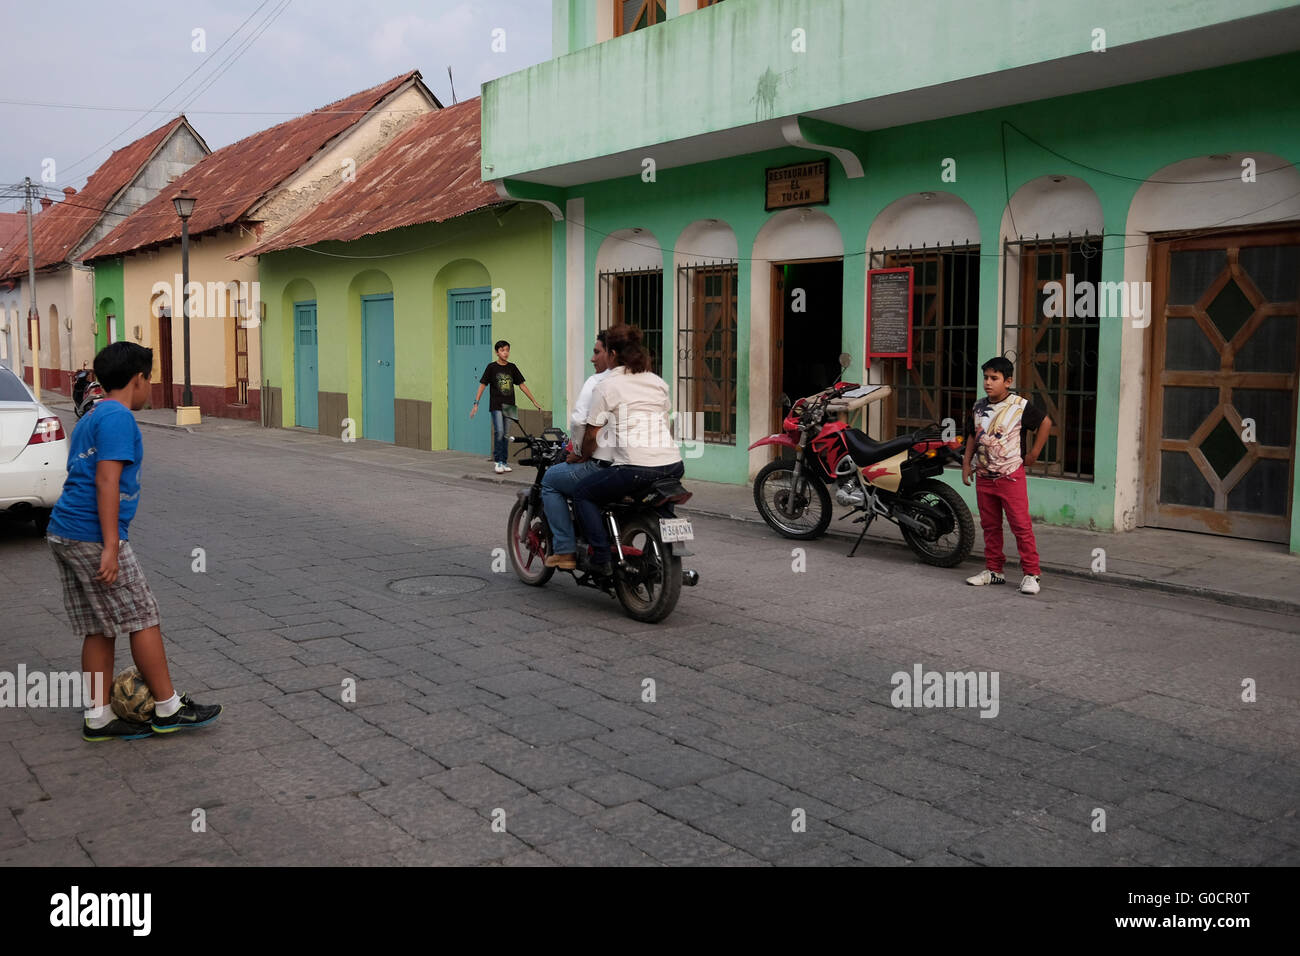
(33, 314)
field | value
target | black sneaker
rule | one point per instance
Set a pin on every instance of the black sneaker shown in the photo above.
(115, 729)
(190, 715)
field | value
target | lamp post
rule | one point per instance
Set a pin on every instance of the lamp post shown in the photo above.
(184, 204)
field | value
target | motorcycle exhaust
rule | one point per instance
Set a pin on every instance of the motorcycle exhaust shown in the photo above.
(690, 578)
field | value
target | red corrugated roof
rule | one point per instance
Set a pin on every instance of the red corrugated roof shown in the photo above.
(58, 230)
(429, 173)
(13, 229)
(229, 182)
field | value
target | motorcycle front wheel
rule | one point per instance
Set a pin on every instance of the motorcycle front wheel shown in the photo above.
(802, 512)
(528, 544)
(649, 587)
(946, 546)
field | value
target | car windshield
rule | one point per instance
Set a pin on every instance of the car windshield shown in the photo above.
(12, 390)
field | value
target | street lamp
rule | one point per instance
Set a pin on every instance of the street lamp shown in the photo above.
(184, 204)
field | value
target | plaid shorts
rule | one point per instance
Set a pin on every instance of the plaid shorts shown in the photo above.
(93, 607)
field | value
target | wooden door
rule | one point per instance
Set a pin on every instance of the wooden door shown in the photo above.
(470, 350)
(1224, 360)
(165, 357)
(379, 381)
(306, 377)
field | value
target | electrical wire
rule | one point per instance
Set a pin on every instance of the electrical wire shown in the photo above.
(203, 63)
(230, 61)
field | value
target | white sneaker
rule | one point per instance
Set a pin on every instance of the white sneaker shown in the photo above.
(504, 468)
(986, 577)
(1029, 585)
(498, 467)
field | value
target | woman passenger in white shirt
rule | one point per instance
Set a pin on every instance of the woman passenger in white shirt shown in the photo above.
(635, 402)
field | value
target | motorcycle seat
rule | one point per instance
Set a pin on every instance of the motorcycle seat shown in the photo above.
(864, 451)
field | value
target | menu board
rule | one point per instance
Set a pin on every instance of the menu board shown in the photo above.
(889, 314)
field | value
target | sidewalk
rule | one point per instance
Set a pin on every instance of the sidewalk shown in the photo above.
(1252, 574)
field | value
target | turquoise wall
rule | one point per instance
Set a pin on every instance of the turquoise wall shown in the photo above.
(734, 63)
(1129, 132)
(418, 265)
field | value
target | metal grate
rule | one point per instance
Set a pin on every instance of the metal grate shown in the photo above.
(1056, 357)
(944, 378)
(637, 298)
(706, 352)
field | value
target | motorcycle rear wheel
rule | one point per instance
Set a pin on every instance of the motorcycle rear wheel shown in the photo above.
(529, 563)
(952, 548)
(774, 487)
(649, 589)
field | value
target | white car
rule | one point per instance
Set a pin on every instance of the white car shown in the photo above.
(33, 453)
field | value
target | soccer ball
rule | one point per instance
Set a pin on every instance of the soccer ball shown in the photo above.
(131, 699)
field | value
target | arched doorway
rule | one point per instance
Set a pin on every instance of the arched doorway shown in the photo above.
(467, 287)
(1224, 345)
(796, 314)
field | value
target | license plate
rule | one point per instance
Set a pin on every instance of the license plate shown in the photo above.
(675, 529)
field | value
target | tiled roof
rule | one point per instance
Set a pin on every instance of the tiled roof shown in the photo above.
(231, 181)
(58, 230)
(429, 173)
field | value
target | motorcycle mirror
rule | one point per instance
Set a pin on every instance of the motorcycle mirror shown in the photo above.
(845, 359)
(785, 400)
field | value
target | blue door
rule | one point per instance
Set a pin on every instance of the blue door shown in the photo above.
(378, 386)
(470, 338)
(306, 379)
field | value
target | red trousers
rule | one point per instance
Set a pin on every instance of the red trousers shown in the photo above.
(1009, 494)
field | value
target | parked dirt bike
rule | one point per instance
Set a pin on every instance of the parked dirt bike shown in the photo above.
(86, 392)
(894, 479)
(644, 532)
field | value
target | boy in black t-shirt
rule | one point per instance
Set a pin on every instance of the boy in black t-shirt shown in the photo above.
(501, 376)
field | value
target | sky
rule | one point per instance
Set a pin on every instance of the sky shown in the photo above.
(123, 58)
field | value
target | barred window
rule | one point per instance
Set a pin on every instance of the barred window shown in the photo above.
(943, 381)
(637, 298)
(706, 352)
(1054, 346)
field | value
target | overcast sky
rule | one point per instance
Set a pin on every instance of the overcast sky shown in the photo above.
(123, 57)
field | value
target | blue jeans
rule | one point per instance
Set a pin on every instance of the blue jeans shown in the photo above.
(610, 484)
(558, 485)
(500, 446)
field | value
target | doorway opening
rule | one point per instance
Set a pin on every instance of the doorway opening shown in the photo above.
(807, 329)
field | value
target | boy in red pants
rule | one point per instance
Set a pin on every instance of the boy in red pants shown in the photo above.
(993, 441)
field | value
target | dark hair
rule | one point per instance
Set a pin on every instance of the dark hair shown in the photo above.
(1000, 365)
(500, 343)
(117, 364)
(603, 338)
(625, 341)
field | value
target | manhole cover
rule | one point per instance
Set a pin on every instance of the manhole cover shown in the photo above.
(437, 585)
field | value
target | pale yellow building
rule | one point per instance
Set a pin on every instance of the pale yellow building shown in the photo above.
(244, 193)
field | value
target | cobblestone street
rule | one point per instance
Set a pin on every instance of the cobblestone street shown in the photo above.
(491, 701)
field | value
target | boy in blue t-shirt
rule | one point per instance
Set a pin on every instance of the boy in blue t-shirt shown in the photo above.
(104, 589)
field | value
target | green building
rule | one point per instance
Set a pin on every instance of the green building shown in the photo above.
(1105, 193)
(382, 301)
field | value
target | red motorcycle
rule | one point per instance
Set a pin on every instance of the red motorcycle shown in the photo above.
(892, 479)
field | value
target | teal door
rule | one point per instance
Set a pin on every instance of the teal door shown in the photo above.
(378, 387)
(306, 379)
(470, 338)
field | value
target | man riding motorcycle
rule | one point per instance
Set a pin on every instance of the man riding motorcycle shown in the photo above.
(635, 403)
(560, 481)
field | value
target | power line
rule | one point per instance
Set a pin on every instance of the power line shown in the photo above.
(230, 61)
(204, 62)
